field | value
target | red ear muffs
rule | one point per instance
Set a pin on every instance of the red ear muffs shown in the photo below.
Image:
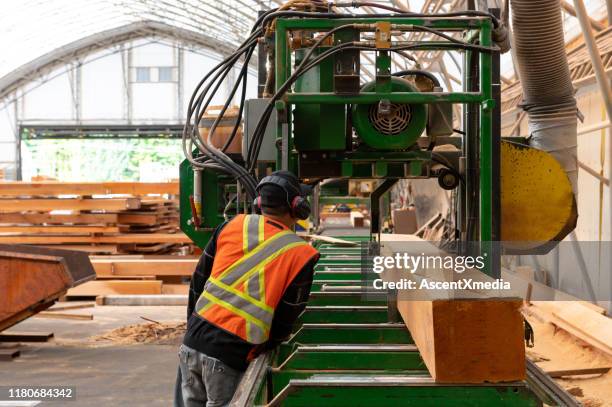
(295, 202)
(300, 208)
(257, 204)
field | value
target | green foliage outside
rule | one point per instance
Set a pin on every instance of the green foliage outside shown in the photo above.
(102, 159)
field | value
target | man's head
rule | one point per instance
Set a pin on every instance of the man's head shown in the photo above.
(281, 196)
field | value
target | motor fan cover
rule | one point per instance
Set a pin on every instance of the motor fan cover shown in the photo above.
(398, 130)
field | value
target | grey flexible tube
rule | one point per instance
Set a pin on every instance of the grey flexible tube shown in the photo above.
(548, 94)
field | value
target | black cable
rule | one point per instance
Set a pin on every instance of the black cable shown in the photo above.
(215, 158)
(428, 75)
(450, 38)
(214, 154)
(226, 65)
(305, 14)
(259, 132)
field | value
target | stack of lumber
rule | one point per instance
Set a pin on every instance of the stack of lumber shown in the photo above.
(103, 218)
(138, 275)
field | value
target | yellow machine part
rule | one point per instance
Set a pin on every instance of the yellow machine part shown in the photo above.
(538, 206)
(305, 224)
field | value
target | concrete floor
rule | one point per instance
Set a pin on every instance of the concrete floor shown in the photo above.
(135, 375)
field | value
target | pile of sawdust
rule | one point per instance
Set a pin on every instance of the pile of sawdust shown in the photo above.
(167, 333)
(555, 349)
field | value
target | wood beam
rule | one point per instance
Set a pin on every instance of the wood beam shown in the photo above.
(47, 188)
(50, 230)
(38, 204)
(138, 267)
(110, 287)
(124, 239)
(38, 218)
(463, 336)
(569, 9)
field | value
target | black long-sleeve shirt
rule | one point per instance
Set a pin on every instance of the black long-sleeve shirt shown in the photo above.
(214, 341)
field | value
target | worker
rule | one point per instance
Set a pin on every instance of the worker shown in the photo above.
(250, 285)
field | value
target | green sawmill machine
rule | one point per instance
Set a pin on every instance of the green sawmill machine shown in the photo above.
(321, 116)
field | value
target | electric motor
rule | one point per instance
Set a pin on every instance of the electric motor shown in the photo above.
(390, 126)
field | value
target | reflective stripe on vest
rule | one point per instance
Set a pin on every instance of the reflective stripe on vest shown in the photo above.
(250, 302)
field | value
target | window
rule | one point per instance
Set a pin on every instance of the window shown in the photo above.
(143, 75)
(165, 74)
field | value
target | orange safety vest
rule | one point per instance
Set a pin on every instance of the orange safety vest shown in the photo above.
(254, 264)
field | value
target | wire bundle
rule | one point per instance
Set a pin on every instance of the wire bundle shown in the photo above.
(214, 158)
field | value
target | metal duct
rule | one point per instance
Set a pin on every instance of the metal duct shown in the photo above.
(548, 94)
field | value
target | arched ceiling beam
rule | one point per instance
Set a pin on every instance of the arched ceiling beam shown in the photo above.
(46, 63)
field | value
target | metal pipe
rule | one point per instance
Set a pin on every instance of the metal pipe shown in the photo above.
(594, 127)
(197, 191)
(545, 77)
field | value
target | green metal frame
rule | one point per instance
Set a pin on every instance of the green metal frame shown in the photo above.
(369, 165)
(343, 355)
(214, 185)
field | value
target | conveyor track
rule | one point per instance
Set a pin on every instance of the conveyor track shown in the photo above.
(346, 353)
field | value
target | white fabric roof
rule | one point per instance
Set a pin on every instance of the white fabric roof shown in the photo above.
(30, 29)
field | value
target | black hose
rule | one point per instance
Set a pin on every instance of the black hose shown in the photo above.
(305, 14)
(215, 158)
(420, 72)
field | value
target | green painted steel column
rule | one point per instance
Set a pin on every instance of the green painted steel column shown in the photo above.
(282, 73)
(486, 159)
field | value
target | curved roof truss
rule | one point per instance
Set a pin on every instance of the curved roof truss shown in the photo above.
(50, 61)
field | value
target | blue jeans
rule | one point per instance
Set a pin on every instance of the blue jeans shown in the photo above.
(206, 381)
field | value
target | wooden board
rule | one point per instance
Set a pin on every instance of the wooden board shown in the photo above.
(25, 337)
(578, 372)
(54, 229)
(57, 308)
(141, 248)
(182, 289)
(109, 287)
(125, 238)
(138, 218)
(94, 249)
(329, 239)
(47, 188)
(38, 218)
(468, 341)
(475, 339)
(137, 267)
(87, 204)
(357, 219)
(60, 315)
(582, 322)
(9, 354)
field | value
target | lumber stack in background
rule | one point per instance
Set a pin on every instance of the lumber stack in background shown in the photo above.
(129, 229)
(96, 217)
(138, 275)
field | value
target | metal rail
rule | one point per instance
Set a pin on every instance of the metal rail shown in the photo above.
(548, 389)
